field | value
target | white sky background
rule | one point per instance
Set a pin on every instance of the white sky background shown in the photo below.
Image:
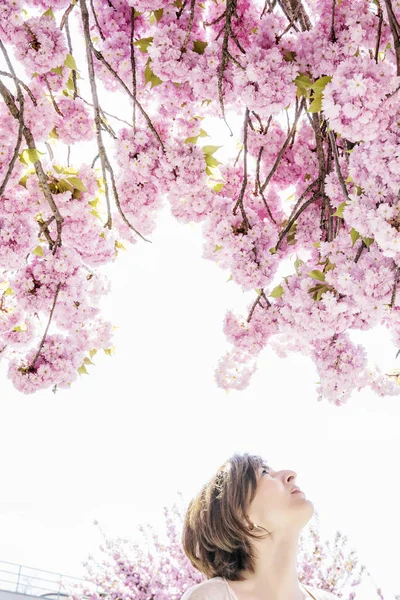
(150, 420)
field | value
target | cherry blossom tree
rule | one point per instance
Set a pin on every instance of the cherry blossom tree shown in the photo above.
(316, 87)
(156, 568)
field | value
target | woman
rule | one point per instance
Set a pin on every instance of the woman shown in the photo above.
(222, 534)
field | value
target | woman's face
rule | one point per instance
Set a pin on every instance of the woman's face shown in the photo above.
(274, 506)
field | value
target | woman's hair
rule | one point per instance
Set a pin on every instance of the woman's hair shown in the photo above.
(215, 539)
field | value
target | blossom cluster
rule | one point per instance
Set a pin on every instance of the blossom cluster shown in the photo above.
(316, 179)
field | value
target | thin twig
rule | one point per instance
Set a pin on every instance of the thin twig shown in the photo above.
(31, 367)
(378, 37)
(285, 145)
(133, 64)
(395, 29)
(74, 80)
(333, 34)
(105, 163)
(40, 173)
(239, 202)
(332, 140)
(191, 19)
(296, 216)
(396, 281)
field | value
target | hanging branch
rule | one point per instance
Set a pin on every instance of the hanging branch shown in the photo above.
(103, 112)
(31, 367)
(396, 281)
(256, 303)
(41, 175)
(105, 163)
(395, 29)
(56, 108)
(229, 12)
(239, 201)
(285, 145)
(66, 14)
(332, 140)
(99, 56)
(133, 63)
(290, 25)
(360, 251)
(191, 19)
(97, 21)
(32, 97)
(378, 37)
(296, 216)
(97, 118)
(289, 8)
(74, 79)
(333, 34)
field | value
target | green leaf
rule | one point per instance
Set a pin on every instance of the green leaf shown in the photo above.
(320, 84)
(94, 202)
(8, 292)
(192, 140)
(339, 210)
(70, 62)
(199, 46)
(277, 292)
(144, 43)
(203, 133)
(48, 13)
(119, 245)
(218, 187)
(297, 264)
(92, 352)
(315, 274)
(321, 291)
(57, 70)
(95, 213)
(156, 15)
(209, 172)
(23, 179)
(82, 370)
(53, 133)
(38, 251)
(77, 183)
(354, 235)
(211, 161)
(217, 248)
(316, 104)
(303, 82)
(30, 155)
(367, 241)
(87, 361)
(210, 149)
(108, 351)
(150, 77)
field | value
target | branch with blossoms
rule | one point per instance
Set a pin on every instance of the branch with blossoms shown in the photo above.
(395, 29)
(41, 175)
(229, 13)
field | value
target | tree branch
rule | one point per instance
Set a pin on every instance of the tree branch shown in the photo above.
(285, 145)
(239, 201)
(31, 367)
(332, 140)
(395, 29)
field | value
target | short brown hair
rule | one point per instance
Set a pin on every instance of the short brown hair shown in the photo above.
(214, 538)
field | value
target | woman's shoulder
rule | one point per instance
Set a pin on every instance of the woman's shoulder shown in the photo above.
(211, 589)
